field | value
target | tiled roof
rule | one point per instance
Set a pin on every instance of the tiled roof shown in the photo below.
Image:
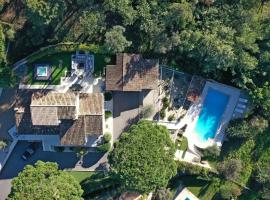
(42, 115)
(91, 104)
(93, 124)
(72, 132)
(49, 113)
(54, 99)
(132, 73)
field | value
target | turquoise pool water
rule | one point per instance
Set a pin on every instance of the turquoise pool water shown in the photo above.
(187, 198)
(209, 119)
(42, 71)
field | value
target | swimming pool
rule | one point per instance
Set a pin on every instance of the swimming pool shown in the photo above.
(209, 119)
(41, 71)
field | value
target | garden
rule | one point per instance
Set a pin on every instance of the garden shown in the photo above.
(60, 64)
(59, 58)
(96, 184)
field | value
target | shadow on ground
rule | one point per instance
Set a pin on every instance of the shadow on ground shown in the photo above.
(65, 160)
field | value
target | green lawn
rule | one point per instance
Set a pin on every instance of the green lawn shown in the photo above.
(182, 144)
(80, 176)
(58, 70)
(203, 189)
(101, 60)
(94, 183)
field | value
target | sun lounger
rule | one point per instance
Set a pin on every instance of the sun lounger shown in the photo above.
(239, 110)
(241, 106)
(243, 100)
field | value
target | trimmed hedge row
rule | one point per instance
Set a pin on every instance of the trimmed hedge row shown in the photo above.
(64, 47)
(184, 168)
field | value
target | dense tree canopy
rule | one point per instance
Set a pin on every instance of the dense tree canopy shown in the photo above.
(143, 158)
(44, 181)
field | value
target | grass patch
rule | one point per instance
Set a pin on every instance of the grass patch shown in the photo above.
(101, 60)
(80, 176)
(58, 70)
(182, 143)
(203, 189)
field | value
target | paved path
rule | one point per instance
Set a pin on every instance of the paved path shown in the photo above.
(7, 119)
(5, 188)
(125, 111)
(65, 160)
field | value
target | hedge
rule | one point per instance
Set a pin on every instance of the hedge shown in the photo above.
(64, 47)
(185, 168)
(104, 147)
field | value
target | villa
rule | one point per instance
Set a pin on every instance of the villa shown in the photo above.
(132, 73)
(76, 118)
(60, 119)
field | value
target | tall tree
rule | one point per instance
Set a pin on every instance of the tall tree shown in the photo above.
(144, 157)
(44, 181)
(44, 12)
(115, 41)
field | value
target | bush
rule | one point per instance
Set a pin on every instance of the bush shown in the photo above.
(107, 137)
(211, 152)
(171, 118)
(108, 114)
(247, 128)
(162, 113)
(104, 147)
(3, 144)
(108, 96)
(230, 169)
(63, 47)
(165, 102)
(184, 168)
(229, 191)
(162, 194)
(147, 111)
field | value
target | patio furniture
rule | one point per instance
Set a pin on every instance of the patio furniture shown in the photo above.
(239, 110)
(241, 106)
(243, 100)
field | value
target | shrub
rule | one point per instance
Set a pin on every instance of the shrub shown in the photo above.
(184, 168)
(247, 128)
(162, 113)
(230, 169)
(108, 96)
(162, 194)
(211, 152)
(147, 111)
(63, 47)
(3, 144)
(108, 114)
(107, 137)
(165, 102)
(171, 118)
(229, 191)
(104, 147)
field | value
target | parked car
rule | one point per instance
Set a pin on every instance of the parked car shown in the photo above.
(30, 150)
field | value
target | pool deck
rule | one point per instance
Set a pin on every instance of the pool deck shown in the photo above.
(194, 111)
